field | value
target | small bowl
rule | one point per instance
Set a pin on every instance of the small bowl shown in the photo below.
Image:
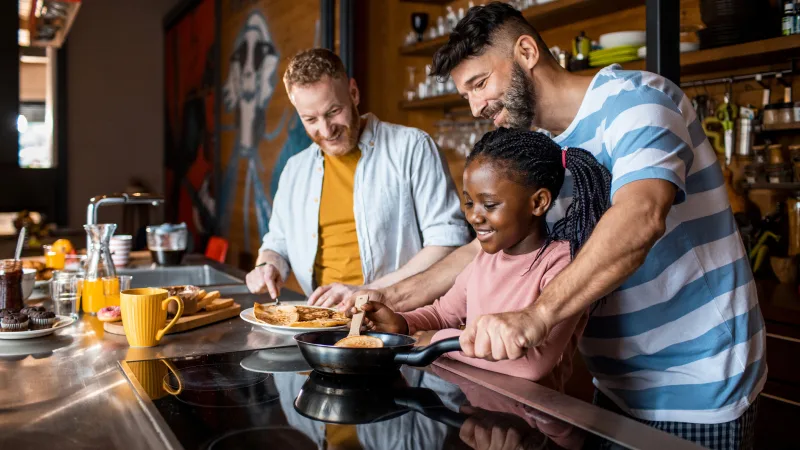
(28, 281)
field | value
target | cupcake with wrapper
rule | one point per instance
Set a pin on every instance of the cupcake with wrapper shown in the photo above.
(42, 319)
(14, 322)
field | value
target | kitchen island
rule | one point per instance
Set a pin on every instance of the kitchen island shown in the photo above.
(70, 390)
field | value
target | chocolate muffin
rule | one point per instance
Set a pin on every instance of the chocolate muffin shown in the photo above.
(7, 311)
(42, 319)
(14, 322)
(31, 309)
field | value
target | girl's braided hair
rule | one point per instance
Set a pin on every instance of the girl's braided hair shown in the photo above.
(534, 160)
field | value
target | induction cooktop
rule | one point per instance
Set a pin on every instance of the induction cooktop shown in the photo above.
(270, 399)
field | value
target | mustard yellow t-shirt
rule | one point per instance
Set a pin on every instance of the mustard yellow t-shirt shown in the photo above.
(338, 257)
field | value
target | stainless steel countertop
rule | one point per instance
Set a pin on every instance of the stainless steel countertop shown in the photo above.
(67, 390)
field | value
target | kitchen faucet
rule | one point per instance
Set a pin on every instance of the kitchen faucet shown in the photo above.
(137, 198)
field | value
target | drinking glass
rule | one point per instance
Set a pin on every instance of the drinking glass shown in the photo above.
(419, 22)
(53, 259)
(66, 290)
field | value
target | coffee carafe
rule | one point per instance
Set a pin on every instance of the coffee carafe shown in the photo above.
(167, 243)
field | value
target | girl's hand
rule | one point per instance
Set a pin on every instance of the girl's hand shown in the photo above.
(424, 337)
(380, 317)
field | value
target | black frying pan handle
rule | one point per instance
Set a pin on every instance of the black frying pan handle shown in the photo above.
(423, 356)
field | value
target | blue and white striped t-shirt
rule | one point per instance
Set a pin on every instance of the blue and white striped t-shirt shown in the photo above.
(683, 338)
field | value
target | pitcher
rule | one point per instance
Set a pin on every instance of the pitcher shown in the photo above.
(98, 265)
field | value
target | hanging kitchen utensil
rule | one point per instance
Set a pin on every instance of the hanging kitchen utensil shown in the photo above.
(726, 114)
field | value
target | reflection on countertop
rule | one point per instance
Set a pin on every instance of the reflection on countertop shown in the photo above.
(67, 389)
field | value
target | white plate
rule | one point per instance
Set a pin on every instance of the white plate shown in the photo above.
(685, 47)
(248, 316)
(276, 360)
(61, 322)
(623, 38)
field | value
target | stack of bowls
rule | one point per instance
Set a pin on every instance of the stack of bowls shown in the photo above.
(120, 247)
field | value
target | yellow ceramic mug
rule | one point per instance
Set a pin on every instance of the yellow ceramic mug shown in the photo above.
(144, 312)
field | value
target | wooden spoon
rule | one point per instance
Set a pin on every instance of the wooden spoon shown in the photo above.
(354, 338)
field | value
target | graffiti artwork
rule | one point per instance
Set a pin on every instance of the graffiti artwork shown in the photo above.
(248, 92)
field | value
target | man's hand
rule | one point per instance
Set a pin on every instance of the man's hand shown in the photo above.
(265, 278)
(379, 317)
(332, 295)
(504, 336)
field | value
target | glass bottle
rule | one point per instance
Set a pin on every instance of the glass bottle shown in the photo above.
(789, 17)
(11, 284)
(98, 265)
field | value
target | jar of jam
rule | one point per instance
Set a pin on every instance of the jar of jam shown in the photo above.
(11, 284)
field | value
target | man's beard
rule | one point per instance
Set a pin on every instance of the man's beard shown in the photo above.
(350, 133)
(519, 101)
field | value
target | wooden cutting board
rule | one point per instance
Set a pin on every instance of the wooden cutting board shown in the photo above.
(187, 322)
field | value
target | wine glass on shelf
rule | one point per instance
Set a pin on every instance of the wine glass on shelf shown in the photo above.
(419, 22)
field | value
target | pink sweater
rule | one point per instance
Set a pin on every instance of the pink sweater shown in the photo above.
(501, 283)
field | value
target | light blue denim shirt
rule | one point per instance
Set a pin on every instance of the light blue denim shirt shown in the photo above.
(404, 199)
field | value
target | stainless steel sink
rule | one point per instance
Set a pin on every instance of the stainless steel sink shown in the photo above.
(171, 276)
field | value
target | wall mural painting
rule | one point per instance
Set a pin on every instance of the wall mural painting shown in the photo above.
(189, 71)
(260, 129)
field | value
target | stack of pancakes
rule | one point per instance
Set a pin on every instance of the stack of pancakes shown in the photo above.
(299, 316)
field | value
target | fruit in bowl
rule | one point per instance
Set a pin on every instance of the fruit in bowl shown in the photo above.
(63, 246)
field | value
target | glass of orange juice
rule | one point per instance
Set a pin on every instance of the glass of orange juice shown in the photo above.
(53, 258)
(112, 286)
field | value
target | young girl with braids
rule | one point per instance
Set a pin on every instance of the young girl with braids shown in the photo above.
(511, 179)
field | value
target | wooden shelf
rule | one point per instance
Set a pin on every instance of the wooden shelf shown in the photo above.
(782, 127)
(424, 48)
(543, 17)
(439, 102)
(769, 51)
(757, 53)
(774, 186)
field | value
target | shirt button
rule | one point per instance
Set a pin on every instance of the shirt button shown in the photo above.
(316, 199)
(310, 270)
(319, 169)
(371, 143)
(314, 236)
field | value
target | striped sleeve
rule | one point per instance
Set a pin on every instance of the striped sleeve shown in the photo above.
(648, 139)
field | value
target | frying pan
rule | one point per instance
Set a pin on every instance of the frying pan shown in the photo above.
(358, 400)
(318, 350)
